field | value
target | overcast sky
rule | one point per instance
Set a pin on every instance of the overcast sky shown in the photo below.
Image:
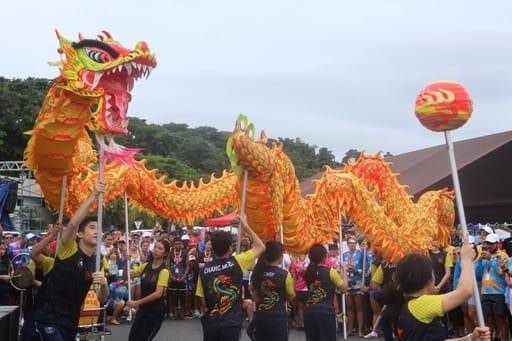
(340, 74)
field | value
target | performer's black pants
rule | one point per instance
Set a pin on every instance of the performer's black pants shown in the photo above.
(320, 327)
(145, 327)
(270, 326)
(222, 334)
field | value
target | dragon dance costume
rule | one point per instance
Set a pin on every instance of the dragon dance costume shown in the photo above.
(271, 320)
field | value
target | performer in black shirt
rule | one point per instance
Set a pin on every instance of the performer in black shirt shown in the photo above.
(56, 317)
(154, 279)
(220, 283)
(272, 286)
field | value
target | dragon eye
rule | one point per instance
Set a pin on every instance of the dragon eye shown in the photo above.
(97, 55)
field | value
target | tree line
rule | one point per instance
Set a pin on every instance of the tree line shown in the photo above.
(175, 149)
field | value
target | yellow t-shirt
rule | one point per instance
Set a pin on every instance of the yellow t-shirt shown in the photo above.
(246, 262)
(448, 262)
(378, 276)
(426, 308)
(163, 276)
(335, 277)
(46, 265)
(67, 250)
(288, 283)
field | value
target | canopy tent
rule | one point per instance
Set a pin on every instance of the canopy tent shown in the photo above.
(222, 221)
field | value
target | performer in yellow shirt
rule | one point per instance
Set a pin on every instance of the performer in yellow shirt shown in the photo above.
(151, 306)
(319, 315)
(272, 287)
(420, 312)
(220, 284)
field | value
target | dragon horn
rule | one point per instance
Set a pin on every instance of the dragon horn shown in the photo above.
(80, 36)
(100, 37)
(59, 36)
(108, 35)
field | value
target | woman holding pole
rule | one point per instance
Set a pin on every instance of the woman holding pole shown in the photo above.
(272, 287)
(419, 310)
(151, 306)
(319, 316)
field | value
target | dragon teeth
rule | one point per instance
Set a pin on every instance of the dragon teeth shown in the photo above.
(108, 97)
(97, 78)
(128, 68)
(120, 68)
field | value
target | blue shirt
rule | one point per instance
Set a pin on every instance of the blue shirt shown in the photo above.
(456, 275)
(493, 279)
(355, 261)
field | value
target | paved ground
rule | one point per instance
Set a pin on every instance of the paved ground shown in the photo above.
(185, 330)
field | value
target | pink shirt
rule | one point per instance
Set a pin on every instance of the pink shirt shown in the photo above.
(333, 262)
(298, 269)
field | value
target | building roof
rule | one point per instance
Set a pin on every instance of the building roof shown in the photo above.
(423, 168)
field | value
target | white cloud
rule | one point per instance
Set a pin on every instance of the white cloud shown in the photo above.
(336, 73)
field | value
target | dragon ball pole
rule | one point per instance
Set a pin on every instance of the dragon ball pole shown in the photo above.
(242, 210)
(462, 219)
(343, 303)
(101, 178)
(128, 241)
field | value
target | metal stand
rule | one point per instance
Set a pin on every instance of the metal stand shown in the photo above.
(20, 315)
(462, 219)
(242, 210)
(128, 261)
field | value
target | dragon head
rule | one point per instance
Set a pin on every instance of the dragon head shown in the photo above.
(104, 69)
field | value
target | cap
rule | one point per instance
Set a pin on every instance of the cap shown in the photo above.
(492, 238)
(504, 236)
(29, 236)
(487, 228)
(185, 237)
(471, 240)
(147, 234)
(191, 257)
(121, 240)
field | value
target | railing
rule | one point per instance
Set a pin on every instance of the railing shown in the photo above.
(12, 166)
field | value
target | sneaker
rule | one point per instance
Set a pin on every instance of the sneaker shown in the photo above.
(372, 335)
(197, 314)
(172, 317)
(189, 316)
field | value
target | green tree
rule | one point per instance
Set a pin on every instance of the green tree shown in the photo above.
(351, 155)
(20, 101)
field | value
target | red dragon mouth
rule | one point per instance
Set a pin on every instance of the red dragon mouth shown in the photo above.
(117, 83)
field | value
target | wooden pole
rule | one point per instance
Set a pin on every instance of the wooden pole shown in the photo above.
(343, 298)
(281, 232)
(462, 220)
(101, 178)
(61, 206)
(242, 210)
(128, 261)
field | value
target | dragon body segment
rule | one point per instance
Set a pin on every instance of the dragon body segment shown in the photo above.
(366, 191)
(92, 94)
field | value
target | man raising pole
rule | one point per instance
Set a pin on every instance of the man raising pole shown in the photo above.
(56, 317)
